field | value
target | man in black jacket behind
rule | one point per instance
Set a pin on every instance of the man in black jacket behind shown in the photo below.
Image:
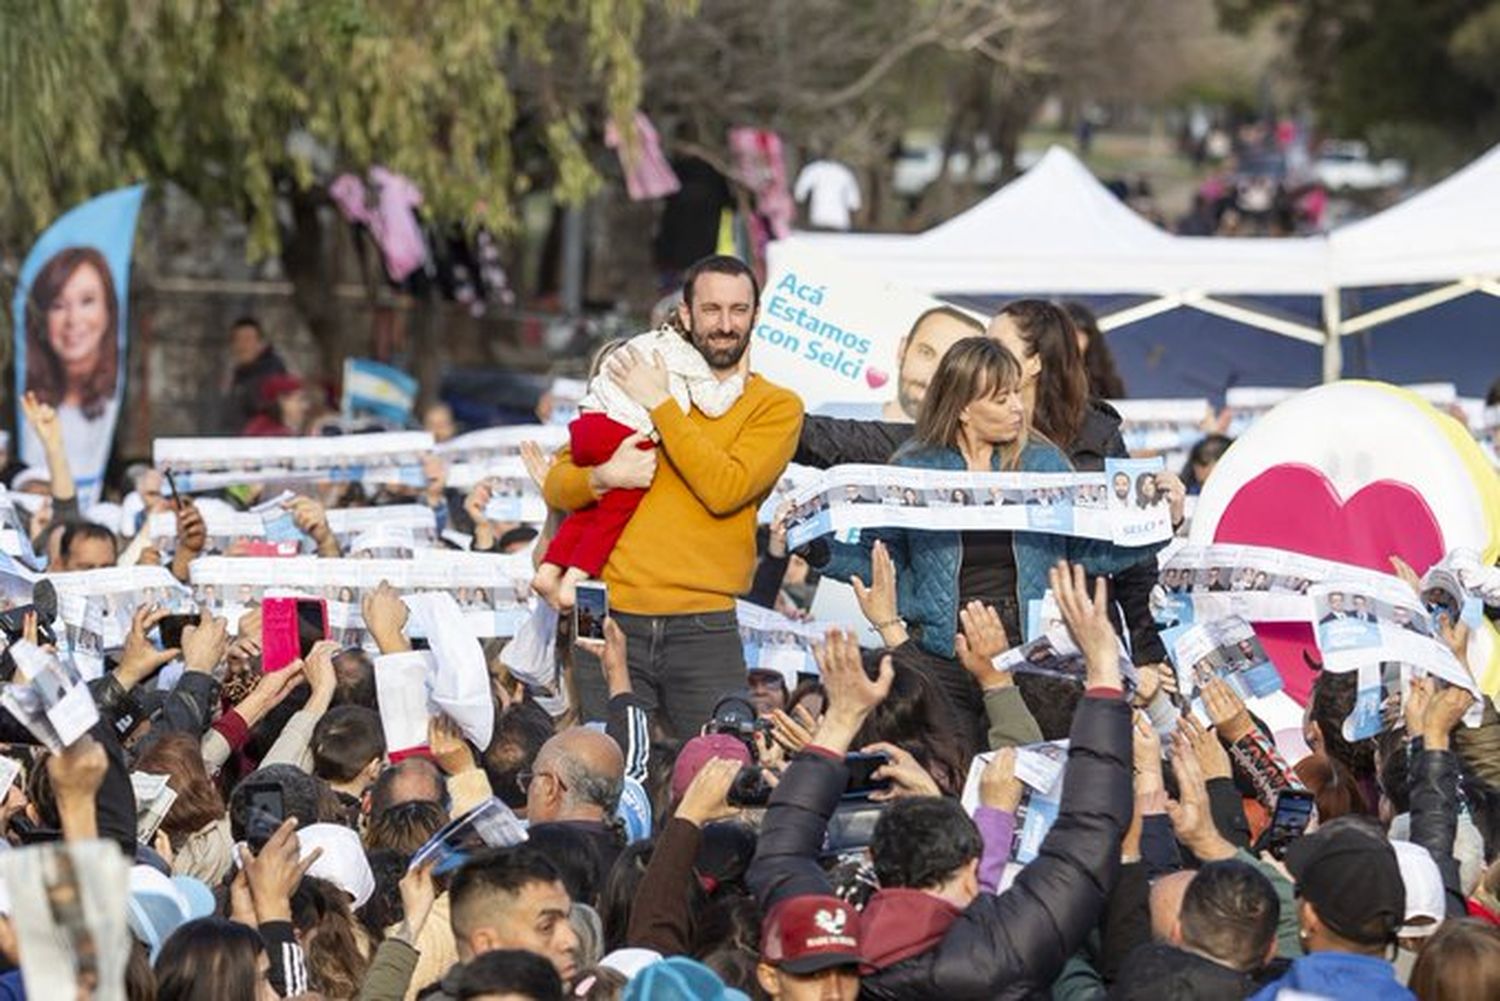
(942, 937)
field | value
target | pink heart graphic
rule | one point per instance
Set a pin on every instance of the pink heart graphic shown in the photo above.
(1294, 507)
(876, 377)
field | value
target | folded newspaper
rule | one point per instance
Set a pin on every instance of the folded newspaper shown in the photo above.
(48, 697)
(491, 824)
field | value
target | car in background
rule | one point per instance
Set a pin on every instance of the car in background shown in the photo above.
(1345, 165)
(921, 160)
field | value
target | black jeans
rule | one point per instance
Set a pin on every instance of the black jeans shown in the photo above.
(680, 665)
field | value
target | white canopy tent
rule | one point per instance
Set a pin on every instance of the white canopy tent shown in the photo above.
(1057, 230)
(1446, 234)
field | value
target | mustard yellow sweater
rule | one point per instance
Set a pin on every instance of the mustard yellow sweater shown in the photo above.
(690, 546)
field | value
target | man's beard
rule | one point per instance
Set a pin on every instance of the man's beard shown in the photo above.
(910, 396)
(718, 356)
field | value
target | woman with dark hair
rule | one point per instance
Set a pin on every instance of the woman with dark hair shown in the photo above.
(214, 958)
(1145, 490)
(1056, 390)
(1104, 378)
(973, 418)
(1054, 383)
(914, 717)
(73, 351)
(1205, 455)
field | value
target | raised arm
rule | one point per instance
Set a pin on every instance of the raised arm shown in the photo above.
(48, 429)
(786, 863)
(1025, 935)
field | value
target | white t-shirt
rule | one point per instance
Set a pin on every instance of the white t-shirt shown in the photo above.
(834, 193)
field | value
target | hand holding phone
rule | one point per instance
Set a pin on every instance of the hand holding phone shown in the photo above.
(290, 628)
(1294, 811)
(590, 609)
(267, 811)
(862, 768)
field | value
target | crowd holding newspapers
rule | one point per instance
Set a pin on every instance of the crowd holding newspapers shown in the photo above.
(705, 693)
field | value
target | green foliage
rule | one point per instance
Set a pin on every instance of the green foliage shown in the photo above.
(239, 102)
(1420, 76)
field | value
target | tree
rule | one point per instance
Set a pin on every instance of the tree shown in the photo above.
(254, 107)
(1418, 77)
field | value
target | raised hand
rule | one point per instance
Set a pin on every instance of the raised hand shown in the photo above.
(139, 660)
(998, 786)
(42, 417)
(906, 776)
(273, 873)
(204, 645)
(536, 462)
(706, 798)
(448, 746)
(981, 640)
(385, 617)
(1191, 816)
(1087, 619)
(1444, 711)
(611, 652)
(878, 600)
(1227, 711)
(851, 693)
(1212, 757)
(1170, 485)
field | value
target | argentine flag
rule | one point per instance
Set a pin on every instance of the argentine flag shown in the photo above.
(373, 388)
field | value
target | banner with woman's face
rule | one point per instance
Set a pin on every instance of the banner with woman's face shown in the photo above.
(71, 320)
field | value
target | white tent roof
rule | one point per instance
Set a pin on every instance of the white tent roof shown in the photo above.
(1057, 229)
(1446, 233)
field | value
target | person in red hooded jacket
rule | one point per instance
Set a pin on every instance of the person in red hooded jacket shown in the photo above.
(285, 408)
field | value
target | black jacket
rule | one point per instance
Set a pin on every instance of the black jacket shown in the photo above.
(1160, 971)
(1006, 946)
(244, 390)
(1433, 784)
(831, 441)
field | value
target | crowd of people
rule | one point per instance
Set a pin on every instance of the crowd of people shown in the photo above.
(695, 827)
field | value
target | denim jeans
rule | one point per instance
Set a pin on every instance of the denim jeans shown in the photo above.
(680, 665)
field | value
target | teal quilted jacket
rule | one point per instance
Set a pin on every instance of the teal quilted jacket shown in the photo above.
(927, 562)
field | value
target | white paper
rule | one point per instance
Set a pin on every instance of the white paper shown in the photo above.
(1082, 505)
(85, 934)
(208, 463)
(401, 691)
(531, 656)
(460, 679)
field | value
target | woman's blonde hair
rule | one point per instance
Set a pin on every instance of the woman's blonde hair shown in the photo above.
(973, 369)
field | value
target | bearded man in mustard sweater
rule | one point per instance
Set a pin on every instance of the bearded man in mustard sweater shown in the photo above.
(689, 549)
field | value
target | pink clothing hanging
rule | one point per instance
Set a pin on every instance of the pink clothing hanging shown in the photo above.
(647, 173)
(759, 162)
(392, 219)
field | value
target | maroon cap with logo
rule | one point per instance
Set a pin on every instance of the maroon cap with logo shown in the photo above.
(810, 933)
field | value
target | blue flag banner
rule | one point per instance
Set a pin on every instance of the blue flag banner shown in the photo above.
(380, 390)
(71, 315)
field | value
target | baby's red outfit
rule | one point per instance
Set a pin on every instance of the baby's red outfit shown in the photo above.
(587, 536)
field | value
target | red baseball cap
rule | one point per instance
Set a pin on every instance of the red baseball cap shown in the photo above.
(810, 933)
(700, 751)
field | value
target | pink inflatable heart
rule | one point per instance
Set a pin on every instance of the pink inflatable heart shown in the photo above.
(876, 377)
(1294, 507)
